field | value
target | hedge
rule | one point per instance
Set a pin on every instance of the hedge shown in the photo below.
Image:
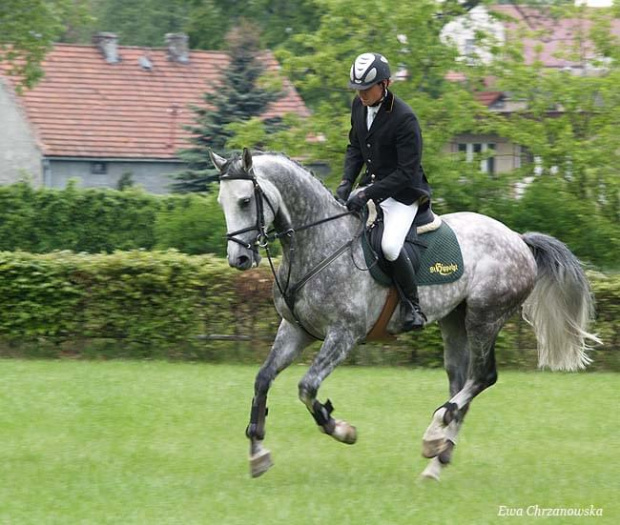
(102, 221)
(165, 304)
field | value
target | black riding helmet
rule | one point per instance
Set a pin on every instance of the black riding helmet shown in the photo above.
(369, 69)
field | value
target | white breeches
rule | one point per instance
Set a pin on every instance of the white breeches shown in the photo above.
(397, 218)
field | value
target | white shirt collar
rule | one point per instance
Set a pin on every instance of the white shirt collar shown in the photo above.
(371, 114)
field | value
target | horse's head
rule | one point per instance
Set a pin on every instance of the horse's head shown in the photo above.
(248, 208)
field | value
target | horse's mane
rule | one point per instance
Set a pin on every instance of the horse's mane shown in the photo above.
(281, 156)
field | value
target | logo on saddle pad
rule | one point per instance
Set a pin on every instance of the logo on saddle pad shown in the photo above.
(438, 255)
(443, 269)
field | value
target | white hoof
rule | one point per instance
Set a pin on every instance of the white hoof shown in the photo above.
(434, 440)
(432, 471)
(260, 462)
(431, 449)
(344, 432)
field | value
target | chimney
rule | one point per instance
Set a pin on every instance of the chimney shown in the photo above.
(178, 50)
(107, 43)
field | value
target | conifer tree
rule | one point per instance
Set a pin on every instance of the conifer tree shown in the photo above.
(238, 96)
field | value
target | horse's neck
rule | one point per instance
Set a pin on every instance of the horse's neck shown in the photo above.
(304, 201)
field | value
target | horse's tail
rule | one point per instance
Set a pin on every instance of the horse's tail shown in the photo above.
(560, 306)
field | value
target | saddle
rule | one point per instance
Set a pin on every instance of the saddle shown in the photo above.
(431, 246)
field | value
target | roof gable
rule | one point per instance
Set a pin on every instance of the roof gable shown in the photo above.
(87, 107)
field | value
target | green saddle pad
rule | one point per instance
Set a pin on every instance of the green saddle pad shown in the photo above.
(441, 262)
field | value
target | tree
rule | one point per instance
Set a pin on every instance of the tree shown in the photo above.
(142, 23)
(278, 19)
(206, 22)
(28, 29)
(408, 34)
(570, 118)
(238, 96)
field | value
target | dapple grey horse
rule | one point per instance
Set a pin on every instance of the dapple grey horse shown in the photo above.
(321, 292)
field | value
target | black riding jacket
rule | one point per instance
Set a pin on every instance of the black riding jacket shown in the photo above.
(391, 151)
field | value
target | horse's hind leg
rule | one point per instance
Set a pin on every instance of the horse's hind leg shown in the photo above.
(482, 327)
(456, 360)
(335, 348)
(288, 344)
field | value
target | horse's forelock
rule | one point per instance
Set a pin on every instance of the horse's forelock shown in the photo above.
(233, 168)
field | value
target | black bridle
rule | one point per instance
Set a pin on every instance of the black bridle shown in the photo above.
(260, 226)
(263, 238)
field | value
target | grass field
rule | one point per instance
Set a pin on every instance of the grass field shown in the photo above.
(161, 443)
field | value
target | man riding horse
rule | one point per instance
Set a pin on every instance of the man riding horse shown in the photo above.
(385, 136)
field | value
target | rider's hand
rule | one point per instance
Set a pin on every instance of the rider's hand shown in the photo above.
(343, 191)
(357, 201)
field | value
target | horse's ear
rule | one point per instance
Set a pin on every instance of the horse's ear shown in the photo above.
(218, 161)
(247, 160)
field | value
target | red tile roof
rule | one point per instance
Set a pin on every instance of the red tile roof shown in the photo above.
(85, 107)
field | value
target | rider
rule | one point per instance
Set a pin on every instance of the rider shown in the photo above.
(386, 137)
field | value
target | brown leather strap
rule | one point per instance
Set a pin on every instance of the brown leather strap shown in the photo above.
(379, 332)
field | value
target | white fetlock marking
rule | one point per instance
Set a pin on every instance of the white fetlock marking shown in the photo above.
(433, 470)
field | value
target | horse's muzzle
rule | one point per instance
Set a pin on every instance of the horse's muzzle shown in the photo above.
(246, 260)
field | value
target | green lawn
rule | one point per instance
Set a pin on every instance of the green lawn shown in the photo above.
(161, 443)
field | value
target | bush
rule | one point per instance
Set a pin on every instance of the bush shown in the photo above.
(165, 304)
(103, 221)
(549, 207)
(43, 220)
(195, 225)
(144, 297)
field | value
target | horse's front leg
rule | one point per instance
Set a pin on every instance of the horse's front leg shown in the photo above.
(290, 341)
(335, 349)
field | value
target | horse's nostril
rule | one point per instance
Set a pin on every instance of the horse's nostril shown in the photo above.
(243, 260)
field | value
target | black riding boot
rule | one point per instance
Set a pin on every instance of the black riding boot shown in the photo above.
(403, 273)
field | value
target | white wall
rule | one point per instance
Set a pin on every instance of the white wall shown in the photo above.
(20, 157)
(154, 177)
(462, 33)
(595, 3)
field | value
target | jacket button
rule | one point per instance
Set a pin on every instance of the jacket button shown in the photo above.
(368, 145)
(369, 161)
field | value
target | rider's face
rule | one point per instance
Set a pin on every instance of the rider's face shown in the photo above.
(372, 95)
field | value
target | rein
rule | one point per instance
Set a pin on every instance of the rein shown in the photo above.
(263, 238)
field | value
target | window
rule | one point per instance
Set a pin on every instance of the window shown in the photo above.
(98, 168)
(477, 149)
(470, 47)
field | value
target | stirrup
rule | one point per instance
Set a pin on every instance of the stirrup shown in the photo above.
(414, 318)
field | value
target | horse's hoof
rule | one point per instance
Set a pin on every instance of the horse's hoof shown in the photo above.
(260, 463)
(433, 448)
(432, 472)
(341, 431)
(344, 432)
(446, 455)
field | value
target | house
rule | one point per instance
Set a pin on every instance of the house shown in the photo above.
(545, 40)
(104, 111)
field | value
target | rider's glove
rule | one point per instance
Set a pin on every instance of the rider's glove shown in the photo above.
(357, 202)
(343, 191)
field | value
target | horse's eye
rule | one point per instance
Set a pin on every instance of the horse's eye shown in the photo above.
(244, 203)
